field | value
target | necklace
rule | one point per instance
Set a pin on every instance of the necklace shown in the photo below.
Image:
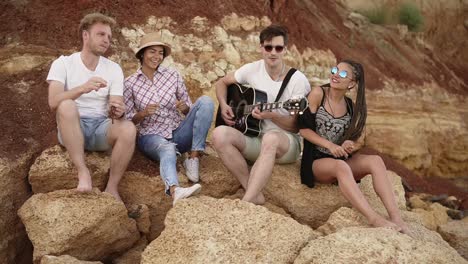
(281, 74)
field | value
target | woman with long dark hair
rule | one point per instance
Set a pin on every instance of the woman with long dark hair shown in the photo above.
(330, 127)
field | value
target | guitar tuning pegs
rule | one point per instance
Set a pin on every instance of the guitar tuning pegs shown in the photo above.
(300, 112)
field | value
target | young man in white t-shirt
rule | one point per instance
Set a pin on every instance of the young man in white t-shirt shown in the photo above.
(279, 141)
(86, 91)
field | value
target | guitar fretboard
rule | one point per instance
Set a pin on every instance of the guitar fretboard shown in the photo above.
(262, 107)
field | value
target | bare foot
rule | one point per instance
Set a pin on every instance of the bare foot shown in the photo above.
(114, 193)
(404, 227)
(259, 200)
(382, 222)
(85, 183)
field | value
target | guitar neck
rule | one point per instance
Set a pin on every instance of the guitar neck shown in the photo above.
(263, 107)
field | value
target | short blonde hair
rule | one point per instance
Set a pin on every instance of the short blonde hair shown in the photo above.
(93, 18)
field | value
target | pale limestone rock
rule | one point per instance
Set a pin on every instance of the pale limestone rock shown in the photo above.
(21, 64)
(221, 63)
(375, 245)
(54, 170)
(15, 191)
(133, 255)
(137, 188)
(231, 22)
(231, 54)
(417, 202)
(374, 200)
(435, 216)
(311, 206)
(199, 24)
(207, 230)
(347, 217)
(65, 259)
(272, 207)
(88, 226)
(249, 23)
(456, 234)
(358, 19)
(265, 22)
(414, 135)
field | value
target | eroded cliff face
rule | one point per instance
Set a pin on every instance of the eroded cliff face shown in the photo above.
(416, 82)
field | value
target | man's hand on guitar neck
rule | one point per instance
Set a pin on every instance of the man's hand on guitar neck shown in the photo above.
(227, 115)
(256, 113)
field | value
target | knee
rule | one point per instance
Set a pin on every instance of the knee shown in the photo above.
(376, 163)
(270, 141)
(343, 171)
(220, 137)
(206, 103)
(128, 131)
(67, 109)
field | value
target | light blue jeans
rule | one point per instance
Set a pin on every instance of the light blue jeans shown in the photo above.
(190, 135)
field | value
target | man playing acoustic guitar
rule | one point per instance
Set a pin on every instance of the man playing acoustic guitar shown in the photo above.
(278, 140)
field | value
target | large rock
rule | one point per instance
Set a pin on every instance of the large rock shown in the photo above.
(435, 216)
(367, 189)
(89, 226)
(65, 260)
(306, 205)
(375, 245)
(53, 170)
(456, 234)
(138, 188)
(133, 255)
(14, 245)
(207, 230)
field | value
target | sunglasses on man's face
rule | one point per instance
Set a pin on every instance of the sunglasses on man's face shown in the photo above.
(269, 48)
(343, 74)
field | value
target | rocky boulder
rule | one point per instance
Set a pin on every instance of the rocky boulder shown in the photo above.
(54, 170)
(14, 247)
(375, 245)
(138, 188)
(207, 230)
(66, 259)
(456, 234)
(308, 206)
(88, 226)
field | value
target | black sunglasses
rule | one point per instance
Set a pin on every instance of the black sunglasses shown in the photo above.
(343, 74)
(269, 48)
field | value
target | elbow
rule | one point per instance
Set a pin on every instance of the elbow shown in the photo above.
(53, 105)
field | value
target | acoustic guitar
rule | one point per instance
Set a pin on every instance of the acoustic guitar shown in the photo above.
(244, 99)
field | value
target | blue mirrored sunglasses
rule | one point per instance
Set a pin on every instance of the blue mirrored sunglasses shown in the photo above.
(343, 74)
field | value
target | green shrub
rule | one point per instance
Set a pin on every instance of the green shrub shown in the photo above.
(410, 15)
(376, 16)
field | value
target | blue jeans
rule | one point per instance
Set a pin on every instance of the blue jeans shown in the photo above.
(190, 135)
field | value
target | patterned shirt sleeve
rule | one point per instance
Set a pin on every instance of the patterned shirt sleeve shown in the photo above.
(182, 94)
(128, 99)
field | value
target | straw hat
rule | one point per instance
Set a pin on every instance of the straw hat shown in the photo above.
(153, 39)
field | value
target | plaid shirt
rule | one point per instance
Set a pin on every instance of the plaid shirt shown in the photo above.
(165, 89)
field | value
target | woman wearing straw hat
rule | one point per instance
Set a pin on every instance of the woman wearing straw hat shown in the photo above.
(156, 99)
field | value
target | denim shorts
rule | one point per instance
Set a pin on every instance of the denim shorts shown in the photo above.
(253, 146)
(94, 133)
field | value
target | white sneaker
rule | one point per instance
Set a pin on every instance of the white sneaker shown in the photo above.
(191, 169)
(181, 193)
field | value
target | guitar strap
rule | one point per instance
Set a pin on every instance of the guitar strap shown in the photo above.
(285, 83)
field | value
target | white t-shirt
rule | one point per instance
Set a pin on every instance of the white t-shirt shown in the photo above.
(71, 71)
(255, 75)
